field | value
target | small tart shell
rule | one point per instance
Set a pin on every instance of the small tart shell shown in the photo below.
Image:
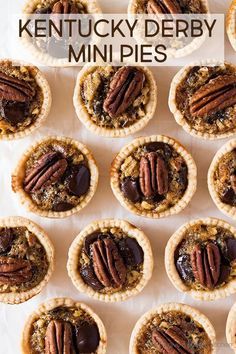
(17, 221)
(65, 302)
(85, 117)
(127, 150)
(45, 58)
(176, 238)
(190, 311)
(46, 105)
(179, 117)
(231, 328)
(19, 174)
(231, 24)
(225, 208)
(129, 230)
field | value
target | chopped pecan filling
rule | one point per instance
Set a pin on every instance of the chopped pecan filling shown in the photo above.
(57, 176)
(20, 98)
(23, 260)
(225, 178)
(207, 98)
(206, 257)
(170, 7)
(64, 330)
(110, 261)
(173, 332)
(154, 177)
(115, 97)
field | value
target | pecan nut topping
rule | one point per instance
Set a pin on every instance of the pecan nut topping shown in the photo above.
(49, 169)
(64, 7)
(171, 340)
(108, 264)
(59, 338)
(158, 7)
(217, 94)
(13, 89)
(153, 175)
(125, 86)
(14, 271)
(206, 264)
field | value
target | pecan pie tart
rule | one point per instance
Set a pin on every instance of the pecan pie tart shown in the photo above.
(153, 176)
(162, 7)
(63, 326)
(231, 24)
(25, 99)
(26, 259)
(200, 259)
(222, 179)
(203, 99)
(115, 101)
(173, 328)
(231, 328)
(54, 50)
(56, 177)
(110, 260)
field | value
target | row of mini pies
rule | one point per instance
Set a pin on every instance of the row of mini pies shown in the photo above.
(111, 260)
(151, 176)
(169, 326)
(202, 99)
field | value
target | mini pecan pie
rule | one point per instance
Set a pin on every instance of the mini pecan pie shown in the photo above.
(153, 176)
(56, 177)
(222, 179)
(25, 99)
(63, 326)
(231, 328)
(231, 24)
(53, 49)
(110, 260)
(203, 100)
(115, 101)
(26, 259)
(160, 7)
(173, 328)
(201, 259)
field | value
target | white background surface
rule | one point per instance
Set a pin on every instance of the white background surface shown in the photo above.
(120, 318)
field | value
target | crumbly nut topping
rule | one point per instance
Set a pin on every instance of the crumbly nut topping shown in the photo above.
(206, 257)
(165, 6)
(225, 178)
(23, 260)
(57, 176)
(165, 324)
(154, 177)
(16, 114)
(99, 92)
(111, 261)
(217, 114)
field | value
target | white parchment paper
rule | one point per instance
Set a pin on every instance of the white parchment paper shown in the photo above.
(118, 318)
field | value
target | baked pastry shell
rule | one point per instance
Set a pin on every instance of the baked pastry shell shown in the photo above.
(85, 117)
(17, 221)
(179, 117)
(231, 328)
(46, 105)
(45, 58)
(133, 145)
(231, 24)
(19, 174)
(223, 207)
(129, 230)
(65, 302)
(176, 238)
(190, 311)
